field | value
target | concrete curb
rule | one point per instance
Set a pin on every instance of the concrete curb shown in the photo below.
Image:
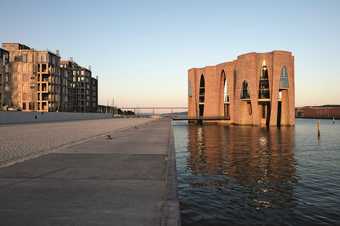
(170, 210)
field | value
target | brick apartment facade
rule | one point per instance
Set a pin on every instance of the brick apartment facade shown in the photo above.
(4, 79)
(254, 89)
(41, 81)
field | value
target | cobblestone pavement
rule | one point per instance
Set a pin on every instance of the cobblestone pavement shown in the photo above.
(23, 141)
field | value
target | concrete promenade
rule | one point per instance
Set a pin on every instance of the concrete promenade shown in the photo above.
(123, 177)
(21, 141)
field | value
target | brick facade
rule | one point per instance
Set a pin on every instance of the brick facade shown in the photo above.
(322, 112)
(255, 89)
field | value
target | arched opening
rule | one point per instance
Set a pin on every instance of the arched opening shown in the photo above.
(279, 109)
(201, 96)
(284, 78)
(264, 83)
(225, 95)
(264, 95)
(245, 91)
(225, 88)
(245, 108)
(282, 106)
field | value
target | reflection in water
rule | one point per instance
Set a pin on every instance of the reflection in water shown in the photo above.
(260, 158)
(238, 175)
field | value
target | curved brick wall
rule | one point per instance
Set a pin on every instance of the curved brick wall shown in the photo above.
(248, 67)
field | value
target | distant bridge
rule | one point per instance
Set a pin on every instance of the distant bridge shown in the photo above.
(174, 116)
(153, 109)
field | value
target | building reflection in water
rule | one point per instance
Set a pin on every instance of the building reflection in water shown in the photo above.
(258, 161)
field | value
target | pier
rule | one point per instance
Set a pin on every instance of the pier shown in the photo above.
(90, 172)
(206, 118)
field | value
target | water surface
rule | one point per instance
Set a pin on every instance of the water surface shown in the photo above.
(243, 175)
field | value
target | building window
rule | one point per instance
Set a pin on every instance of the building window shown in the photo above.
(284, 78)
(18, 59)
(42, 58)
(24, 58)
(264, 83)
(225, 88)
(24, 106)
(202, 90)
(44, 67)
(245, 91)
(201, 96)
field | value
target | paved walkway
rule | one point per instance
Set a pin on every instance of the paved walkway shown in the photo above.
(120, 179)
(22, 141)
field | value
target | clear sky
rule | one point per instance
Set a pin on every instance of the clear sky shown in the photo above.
(141, 50)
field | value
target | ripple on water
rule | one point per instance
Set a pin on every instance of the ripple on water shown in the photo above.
(229, 175)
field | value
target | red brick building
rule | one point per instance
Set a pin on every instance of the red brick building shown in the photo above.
(326, 112)
(254, 89)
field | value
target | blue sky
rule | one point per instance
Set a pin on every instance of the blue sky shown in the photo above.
(141, 50)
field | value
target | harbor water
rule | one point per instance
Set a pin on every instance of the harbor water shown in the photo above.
(245, 175)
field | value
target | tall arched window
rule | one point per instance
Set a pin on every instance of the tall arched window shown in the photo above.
(202, 89)
(264, 83)
(225, 88)
(201, 96)
(245, 91)
(284, 78)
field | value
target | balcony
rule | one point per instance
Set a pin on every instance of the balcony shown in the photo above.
(43, 87)
(44, 78)
(43, 68)
(44, 97)
(44, 106)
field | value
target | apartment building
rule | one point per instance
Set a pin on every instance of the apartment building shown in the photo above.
(83, 90)
(4, 80)
(35, 84)
(40, 81)
(82, 87)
